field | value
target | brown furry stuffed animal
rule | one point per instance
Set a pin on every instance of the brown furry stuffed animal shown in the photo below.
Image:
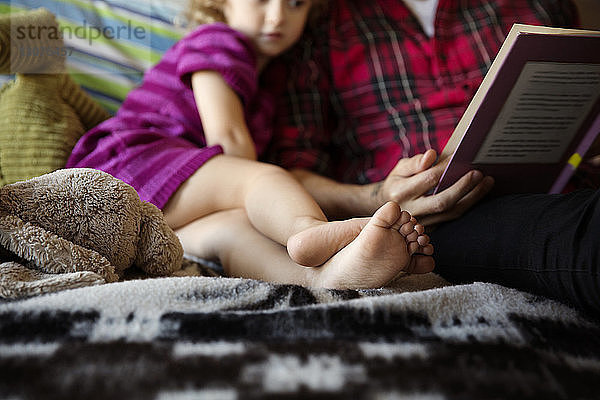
(79, 221)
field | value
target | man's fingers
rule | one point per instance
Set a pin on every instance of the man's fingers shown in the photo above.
(447, 199)
(410, 188)
(420, 184)
(427, 160)
(407, 167)
(406, 190)
(594, 161)
(474, 196)
(461, 204)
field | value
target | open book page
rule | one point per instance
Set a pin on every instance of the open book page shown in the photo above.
(542, 114)
(535, 107)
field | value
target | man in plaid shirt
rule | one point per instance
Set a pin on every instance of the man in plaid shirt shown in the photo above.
(379, 83)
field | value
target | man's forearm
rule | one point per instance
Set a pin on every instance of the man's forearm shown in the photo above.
(337, 200)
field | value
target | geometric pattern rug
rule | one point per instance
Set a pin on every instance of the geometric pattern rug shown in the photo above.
(227, 338)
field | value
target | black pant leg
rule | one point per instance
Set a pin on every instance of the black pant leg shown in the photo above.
(543, 244)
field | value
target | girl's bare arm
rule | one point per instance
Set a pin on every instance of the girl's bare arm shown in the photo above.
(222, 115)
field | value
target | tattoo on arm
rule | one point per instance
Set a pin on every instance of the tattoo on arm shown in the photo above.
(376, 190)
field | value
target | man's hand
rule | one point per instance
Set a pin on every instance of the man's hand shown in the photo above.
(413, 178)
(408, 184)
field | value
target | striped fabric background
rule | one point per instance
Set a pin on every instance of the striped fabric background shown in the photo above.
(111, 42)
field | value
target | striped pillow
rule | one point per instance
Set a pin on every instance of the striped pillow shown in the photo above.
(110, 43)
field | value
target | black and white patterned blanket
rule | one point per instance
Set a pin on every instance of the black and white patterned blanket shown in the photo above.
(225, 338)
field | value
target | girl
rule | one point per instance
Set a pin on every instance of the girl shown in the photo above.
(183, 141)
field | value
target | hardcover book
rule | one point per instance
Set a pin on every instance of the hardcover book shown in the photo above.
(535, 114)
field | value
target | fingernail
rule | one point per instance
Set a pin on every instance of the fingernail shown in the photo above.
(477, 176)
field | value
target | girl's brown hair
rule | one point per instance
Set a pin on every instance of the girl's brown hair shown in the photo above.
(206, 11)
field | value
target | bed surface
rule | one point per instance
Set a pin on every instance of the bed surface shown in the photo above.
(225, 338)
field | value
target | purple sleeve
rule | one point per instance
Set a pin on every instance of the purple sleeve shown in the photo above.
(219, 48)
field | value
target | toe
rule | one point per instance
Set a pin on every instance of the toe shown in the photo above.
(387, 215)
(423, 240)
(413, 247)
(407, 229)
(421, 264)
(412, 236)
(420, 229)
(402, 219)
(427, 250)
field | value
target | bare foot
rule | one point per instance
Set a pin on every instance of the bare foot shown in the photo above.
(378, 254)
(314, 246)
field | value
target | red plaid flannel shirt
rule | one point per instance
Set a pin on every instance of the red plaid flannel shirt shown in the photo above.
(368, 86)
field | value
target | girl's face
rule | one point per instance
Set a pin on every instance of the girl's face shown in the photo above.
(273, 26)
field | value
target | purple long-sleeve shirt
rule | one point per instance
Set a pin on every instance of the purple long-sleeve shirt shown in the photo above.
(155, 141)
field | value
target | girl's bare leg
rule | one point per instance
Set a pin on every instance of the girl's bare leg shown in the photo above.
(228, 237)
(378, 254)
(276, 204)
